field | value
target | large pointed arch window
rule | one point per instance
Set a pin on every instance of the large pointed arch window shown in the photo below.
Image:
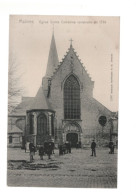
(41, 124)
(71, 98)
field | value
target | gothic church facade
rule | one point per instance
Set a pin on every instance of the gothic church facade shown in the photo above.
(64, 108)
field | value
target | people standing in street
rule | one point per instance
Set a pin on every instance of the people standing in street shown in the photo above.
(45, 147)
(32, 151)
(117, 144)
(77, 145)
(53, 146)
(111, 146)
(49, 150)
(69, 147)
(25, 143)
(41, 152)
(93, 146)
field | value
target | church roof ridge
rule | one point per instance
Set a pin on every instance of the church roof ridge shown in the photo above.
(24, 105)
(71, 47)
(61, 62)
(40, 101)
(101, 104)
(80, 61)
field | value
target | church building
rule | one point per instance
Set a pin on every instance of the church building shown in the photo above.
(64, 108)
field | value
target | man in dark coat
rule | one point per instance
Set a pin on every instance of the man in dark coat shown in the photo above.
(53, 146)
(32, 151)
(77, 145)
(45, 147)
(41, 152)
(111, 146)
(49, 150)
(93, 146)
(69, 147)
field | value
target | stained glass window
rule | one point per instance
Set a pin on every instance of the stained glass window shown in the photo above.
(41, 124)
(71, 98)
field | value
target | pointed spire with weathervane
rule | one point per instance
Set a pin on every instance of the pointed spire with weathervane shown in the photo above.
(53, 60)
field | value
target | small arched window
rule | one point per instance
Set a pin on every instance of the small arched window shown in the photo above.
(41, 125)
(71, 98)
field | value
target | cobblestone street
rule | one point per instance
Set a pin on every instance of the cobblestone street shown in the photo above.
(78, 169)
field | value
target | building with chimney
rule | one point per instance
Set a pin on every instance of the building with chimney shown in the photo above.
(64, 108)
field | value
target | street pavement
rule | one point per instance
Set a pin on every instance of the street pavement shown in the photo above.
(76, 170)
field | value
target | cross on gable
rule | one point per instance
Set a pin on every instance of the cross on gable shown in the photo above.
(71, 42)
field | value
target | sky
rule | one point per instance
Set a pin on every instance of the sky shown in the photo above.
(95, 39)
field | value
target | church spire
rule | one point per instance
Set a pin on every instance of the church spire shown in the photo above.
(53, 60)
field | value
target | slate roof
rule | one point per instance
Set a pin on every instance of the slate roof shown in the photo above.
(40, 101)
(53, 60)
(96, 102)
(14, 130)
(71, 50)
(20, 110)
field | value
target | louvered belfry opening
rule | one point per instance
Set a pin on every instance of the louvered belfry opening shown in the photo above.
(71, 98)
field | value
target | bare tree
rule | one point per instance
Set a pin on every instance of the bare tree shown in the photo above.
(14, 88)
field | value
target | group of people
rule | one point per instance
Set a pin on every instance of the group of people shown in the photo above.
(47, 148)
(65, 148)
(93, 147)
(78, 144)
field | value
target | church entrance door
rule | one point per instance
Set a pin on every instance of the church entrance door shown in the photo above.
(72, 138)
